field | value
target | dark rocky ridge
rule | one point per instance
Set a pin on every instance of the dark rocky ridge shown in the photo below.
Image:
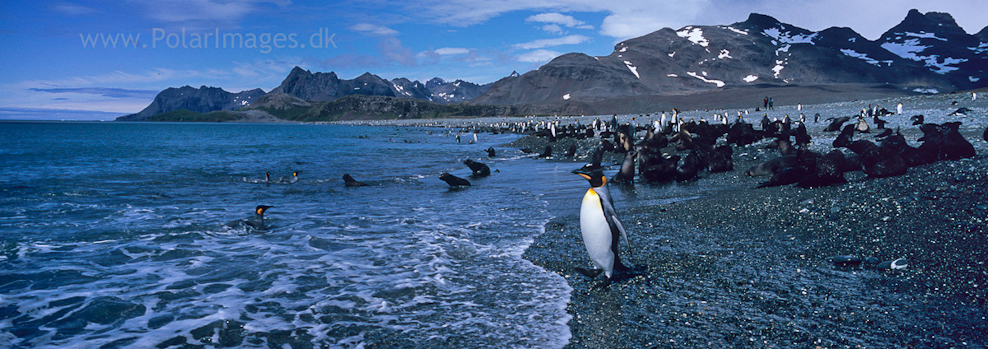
(326, 87)
(200, 100)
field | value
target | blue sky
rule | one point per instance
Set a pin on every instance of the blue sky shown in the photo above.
(55, 64)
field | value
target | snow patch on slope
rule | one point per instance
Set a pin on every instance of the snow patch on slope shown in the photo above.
(736, 30)
(633, 69)
(788, 38)
(864, 57)
(694, 35)
(910, 50)
(715, 82)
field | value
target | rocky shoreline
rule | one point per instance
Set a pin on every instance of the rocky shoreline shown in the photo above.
(727, 265)
(741, 267)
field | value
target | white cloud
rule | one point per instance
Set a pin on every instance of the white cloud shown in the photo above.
(566, 40)
(552, 28)
(632, 18)
(73, 9)
(452, 51)
(538, 56)
(373, 29)
(205, 12)
(559, 19)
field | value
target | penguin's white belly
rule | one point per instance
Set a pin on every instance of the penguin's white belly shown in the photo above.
(596, 231)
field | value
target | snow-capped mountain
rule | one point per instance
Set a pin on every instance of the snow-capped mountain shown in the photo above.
(935, 41)
(923, 53)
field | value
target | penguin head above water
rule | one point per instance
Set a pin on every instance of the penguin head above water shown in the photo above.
(594, 175)
(260, 209)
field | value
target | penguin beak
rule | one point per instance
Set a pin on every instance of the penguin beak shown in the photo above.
(583, 172)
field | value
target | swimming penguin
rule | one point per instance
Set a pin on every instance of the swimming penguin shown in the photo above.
(600, 226)
(265, 180)
(350, 182)
(291, 180)
(454, 181)
(257, 221)
(490, 152)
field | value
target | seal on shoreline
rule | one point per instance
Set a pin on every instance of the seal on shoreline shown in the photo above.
(771, 166)
(627, 172)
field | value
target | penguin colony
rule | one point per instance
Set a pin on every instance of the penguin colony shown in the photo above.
(656, 160)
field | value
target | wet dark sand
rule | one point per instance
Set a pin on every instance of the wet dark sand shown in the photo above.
(743, 267)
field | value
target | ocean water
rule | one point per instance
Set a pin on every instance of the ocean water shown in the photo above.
(130, 235)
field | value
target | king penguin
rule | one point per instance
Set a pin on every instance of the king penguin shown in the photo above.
(257, 221)
(600, 226)
(291, 180)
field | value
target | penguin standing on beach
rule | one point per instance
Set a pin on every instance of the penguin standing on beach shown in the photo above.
(600, 226)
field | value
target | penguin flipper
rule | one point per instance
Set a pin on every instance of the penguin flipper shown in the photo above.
(592, 273)
(614, 222)
(620, 228)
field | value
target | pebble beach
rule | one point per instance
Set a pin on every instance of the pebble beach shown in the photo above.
(722, 264)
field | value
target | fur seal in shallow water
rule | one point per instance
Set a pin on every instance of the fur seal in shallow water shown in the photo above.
(350, 182)
(454, 181)
(479, 169)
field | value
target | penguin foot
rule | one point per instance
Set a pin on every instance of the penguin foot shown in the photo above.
(589, 273)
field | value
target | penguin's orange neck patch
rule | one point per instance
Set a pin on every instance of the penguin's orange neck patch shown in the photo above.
(260, 211)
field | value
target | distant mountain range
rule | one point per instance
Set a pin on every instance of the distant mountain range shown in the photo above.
(925, 53)
(304, 87)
